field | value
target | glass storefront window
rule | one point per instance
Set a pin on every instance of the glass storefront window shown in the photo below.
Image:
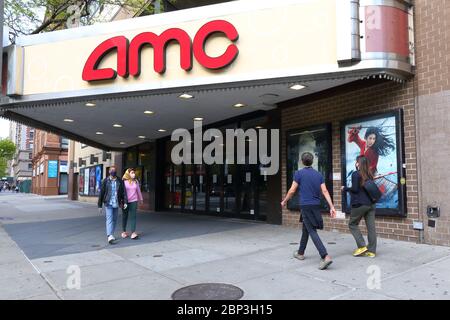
(200, 187)
(215, 188)
(144, 162)
(189, 187)
(130, 159)
(263, 195)
(168, 186)
(228, 189)
(316, 140)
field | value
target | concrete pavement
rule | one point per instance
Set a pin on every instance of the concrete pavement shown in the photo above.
(51, 246)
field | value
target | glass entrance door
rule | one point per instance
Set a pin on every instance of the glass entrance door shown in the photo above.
(230, 190)
(247, 185)
(200, 187)
(177, 188)
(63, 183)
(215, 188)
(189, 191)
(237, 189)
(168, 187)
(262, 195)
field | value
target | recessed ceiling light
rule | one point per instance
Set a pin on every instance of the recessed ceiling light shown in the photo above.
(148, 112)
(186, 96)
(141, 137)
(161, 130)
(68, 120)
(116, 125)
(122, 142)
(258, 127)
(297, 87)
(198, 119)
(90, 104)
(239, 105)
(99, 133)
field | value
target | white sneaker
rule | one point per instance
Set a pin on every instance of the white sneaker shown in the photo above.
(111, 239)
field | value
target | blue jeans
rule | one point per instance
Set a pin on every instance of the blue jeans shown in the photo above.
(309, 230)
(111, 219)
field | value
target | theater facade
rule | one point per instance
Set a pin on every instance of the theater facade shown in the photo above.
(336, 78)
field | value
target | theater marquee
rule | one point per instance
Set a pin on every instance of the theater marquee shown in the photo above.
(242, 41)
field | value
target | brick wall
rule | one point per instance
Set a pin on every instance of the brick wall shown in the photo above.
(47, 146)
(350, 104)
(432, 42)
(432, 31)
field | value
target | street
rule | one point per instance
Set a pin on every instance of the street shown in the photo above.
(44, 241)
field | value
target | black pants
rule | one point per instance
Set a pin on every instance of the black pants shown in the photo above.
(312, 220)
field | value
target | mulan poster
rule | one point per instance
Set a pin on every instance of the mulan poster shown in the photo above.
(379, 139)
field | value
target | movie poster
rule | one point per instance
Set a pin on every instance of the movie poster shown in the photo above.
(98, 178)
(86, 181)
(379, 139)
(316, 140)
(81, 182)
(92, 181)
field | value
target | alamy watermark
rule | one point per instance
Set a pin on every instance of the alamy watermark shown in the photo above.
(241, 147)
(374, 279)
(74, 278)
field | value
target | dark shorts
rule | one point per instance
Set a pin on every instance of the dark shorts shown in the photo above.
(313, 214)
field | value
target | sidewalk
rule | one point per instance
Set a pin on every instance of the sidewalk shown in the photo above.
(18, 278)
(177, 250)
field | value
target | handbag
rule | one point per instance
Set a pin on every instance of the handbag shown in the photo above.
(372, 191)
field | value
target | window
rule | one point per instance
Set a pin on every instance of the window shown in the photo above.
(64, 143)
(30, 166)
(316, 140)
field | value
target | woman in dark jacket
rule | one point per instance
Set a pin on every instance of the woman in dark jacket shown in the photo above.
(112, 195)
(362, 207)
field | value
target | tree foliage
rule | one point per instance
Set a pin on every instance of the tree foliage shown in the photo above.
(7, 150)
(36, 16)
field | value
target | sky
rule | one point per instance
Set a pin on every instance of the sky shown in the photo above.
(4, 124)
(4, 128)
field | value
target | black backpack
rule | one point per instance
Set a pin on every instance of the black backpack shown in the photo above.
(372, 191)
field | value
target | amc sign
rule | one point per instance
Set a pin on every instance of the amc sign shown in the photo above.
(129, 53)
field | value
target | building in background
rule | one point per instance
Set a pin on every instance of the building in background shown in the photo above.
(87, 167)
(50, 164)
(21, 165)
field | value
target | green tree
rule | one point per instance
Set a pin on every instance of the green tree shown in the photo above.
(36, 16)
(7, 150)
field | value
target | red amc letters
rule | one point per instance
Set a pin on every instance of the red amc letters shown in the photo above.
(129, 54)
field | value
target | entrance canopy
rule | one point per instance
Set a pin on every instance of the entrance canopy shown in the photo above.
(114, 84)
